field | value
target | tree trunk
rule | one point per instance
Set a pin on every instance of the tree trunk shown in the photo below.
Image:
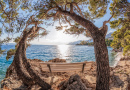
(101, 55)
(19, 67)
(22, 66)
(35, 76)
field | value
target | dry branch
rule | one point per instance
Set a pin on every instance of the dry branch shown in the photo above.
(68, 21)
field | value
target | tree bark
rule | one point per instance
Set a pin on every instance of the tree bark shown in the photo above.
(19, 67)
(35, 76)
(102, 61)
(23, 68)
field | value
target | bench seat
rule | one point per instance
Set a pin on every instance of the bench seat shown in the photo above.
(65, 67)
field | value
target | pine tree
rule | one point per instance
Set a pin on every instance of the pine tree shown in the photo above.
(122, 24)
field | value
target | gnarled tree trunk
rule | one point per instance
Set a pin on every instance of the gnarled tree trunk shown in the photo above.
(22, 66)
(101, 52)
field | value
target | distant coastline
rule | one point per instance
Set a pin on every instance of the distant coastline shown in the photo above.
(108, 42)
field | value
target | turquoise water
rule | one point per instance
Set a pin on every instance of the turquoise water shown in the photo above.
(72, 53)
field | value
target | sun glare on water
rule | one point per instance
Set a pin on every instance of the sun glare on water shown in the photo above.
(64, 51)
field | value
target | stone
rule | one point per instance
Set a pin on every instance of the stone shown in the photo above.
(74, 83)
(116, 81)
(58, 60)
(91, 79)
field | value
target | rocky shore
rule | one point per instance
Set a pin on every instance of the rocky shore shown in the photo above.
(119, 78)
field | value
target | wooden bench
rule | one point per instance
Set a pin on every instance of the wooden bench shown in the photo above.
(65, 67)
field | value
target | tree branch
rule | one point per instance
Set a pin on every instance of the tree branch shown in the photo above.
(53, 15)
(79, 10)
(104, 23)
(68, 21)
(47, 12)
(71, 8)
(66, 4)
(33, 29)
(56, 15)
(77, 18)
(82, 21)
(60, 22)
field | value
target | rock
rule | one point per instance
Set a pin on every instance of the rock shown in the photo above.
(90, 86)
(90, 79)
(116, 81)
(58, 60)
(125, 58)
(74, 83)
(61, 84)
(12, 83)
(36, 60)
(128, 86)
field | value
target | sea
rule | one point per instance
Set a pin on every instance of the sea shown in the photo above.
(72, 53)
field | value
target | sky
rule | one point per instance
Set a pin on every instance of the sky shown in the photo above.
(58, 37)
(55, 37)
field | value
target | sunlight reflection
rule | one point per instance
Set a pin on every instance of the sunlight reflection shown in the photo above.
(63, 49)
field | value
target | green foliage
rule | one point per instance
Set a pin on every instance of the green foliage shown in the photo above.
(90, 10)
(13, 18)
(83, 42)
(127, 50)
(75, 30)
(15, 13)
(10, 53)
(17, 39)
(116, 44)
(59, 27)
(122, 24)
(122, 37)
(0, 31)
(98, 8)
(121, 9)
(3, 16)
(1, 51)
(6, 40)
(108, 42)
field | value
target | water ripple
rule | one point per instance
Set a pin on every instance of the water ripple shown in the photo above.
(71, 53)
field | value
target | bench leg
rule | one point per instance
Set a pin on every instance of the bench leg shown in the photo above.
(51, 82)
(52, 77)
